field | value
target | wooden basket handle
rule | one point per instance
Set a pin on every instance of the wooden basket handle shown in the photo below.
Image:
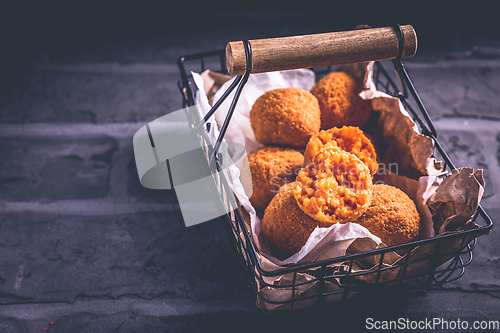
(334, 48)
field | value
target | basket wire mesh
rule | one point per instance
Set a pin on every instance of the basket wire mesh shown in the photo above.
(441, 265)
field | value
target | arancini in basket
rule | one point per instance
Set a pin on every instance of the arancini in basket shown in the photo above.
(285, 116)
(339, 101)
(285, 224)
(337, 188)
(392, 216)
(351, 139)
(270, 168)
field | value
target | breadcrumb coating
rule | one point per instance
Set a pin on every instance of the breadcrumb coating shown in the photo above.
(350, 139)
(339, 101)
(271, 167)
(285, 224)
(337, 188)
(392, 216)
(287, 116)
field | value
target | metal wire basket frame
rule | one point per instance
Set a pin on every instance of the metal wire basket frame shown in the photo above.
(444, 266)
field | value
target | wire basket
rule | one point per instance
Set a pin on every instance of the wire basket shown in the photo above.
(334, 279)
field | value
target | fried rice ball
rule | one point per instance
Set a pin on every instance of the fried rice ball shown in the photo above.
(350, 139)
(287, 116)
(337, 188)
(392, 216)
(339, 101)
(270, 168)
(285, 224)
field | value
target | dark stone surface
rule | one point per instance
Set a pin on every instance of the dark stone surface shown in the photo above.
(11, 325)
(88, 95)
(48, 169)
(133, 315)
(141, 193)
(51, 258)
(466, 89)
(482, 274)
(498, 149)
(465, 149)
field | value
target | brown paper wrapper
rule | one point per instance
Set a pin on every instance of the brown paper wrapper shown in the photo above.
(456, 199)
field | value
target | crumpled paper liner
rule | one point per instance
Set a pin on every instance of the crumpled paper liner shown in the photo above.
(397, 136)
(456, 199)
(408, 148)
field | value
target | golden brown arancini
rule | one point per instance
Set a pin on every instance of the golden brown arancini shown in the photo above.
(287, 116)
(272, 167)
(285, 224)
(339, 101)
(337, 188)
(351, 139)
(392, 216)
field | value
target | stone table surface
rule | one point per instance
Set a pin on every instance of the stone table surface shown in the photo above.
(85, 248)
